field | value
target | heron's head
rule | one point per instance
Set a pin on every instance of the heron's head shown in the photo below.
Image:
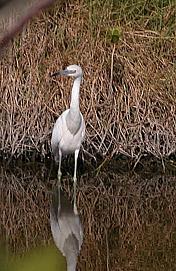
(72, 70)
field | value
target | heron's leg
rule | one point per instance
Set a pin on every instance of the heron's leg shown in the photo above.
(59, 173)
(75, 181)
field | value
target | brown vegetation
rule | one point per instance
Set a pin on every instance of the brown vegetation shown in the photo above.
(129, 89)
(129, 222)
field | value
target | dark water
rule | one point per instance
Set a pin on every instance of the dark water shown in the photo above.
(129, 220)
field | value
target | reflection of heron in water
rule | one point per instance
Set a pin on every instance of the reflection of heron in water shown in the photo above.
(69, 129)
(66, 228)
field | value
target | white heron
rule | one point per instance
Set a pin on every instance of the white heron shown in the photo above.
(66, 228)
(69, 129)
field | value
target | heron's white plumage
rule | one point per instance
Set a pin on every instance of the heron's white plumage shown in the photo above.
(69, 129)
(63, 139)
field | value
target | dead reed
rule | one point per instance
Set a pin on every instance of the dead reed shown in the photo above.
(128, 93)
(129, 222)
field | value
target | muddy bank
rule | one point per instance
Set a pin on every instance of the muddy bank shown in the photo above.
(146, 165)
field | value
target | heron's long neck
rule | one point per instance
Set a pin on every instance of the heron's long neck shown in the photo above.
(74, 105)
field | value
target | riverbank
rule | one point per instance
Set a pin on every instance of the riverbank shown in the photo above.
(127, 51)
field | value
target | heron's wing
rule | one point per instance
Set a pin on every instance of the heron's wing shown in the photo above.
(73, 121)
(57, 134)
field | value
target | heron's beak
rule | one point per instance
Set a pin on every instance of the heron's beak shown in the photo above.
(63, 72)
(56, 73)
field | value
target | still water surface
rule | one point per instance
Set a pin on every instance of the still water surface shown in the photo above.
(129, 221)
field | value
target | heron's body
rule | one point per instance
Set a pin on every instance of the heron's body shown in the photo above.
(69, 129)
(64, 139)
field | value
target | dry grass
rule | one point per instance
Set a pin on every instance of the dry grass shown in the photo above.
(129, 88)
(129, 222)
